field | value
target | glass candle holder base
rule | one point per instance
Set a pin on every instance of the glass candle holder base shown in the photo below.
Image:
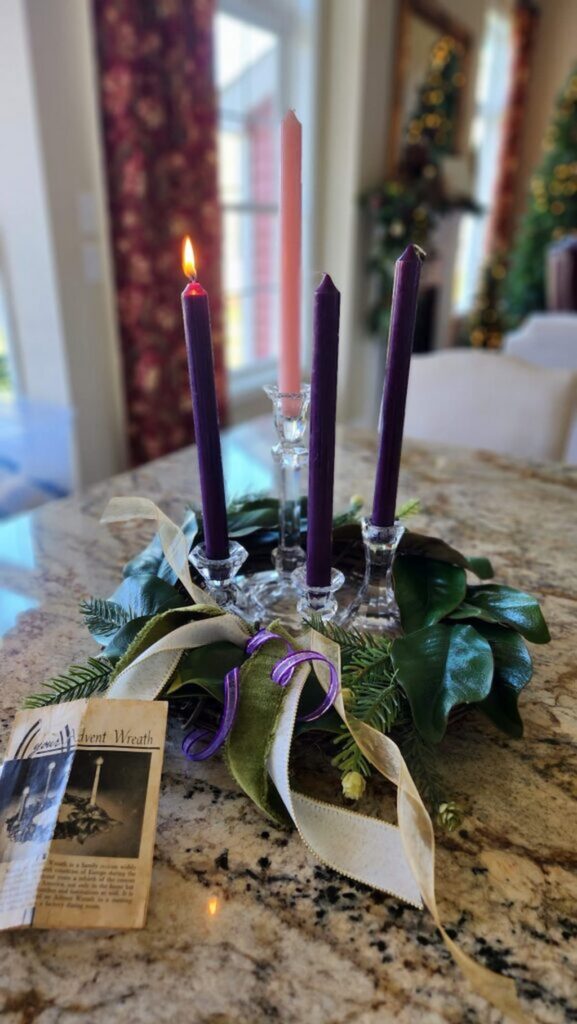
(275, 598)
(274, 592)
(320, 601)
(375, 609)
(219, 576)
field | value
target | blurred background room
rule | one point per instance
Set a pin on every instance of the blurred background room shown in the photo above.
(126, 124)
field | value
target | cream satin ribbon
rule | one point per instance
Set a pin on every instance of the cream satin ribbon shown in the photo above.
(398, 860)
(174, 543)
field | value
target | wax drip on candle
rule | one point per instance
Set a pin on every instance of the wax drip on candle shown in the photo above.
(189, 267)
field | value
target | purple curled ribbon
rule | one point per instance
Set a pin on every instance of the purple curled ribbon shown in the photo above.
(281, 674)
(216, 739)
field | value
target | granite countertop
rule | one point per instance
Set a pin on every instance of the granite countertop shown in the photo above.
(290, 941)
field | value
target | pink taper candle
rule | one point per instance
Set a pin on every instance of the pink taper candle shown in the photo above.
(290, 255)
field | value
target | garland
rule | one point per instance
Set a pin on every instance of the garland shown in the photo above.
(463, 645)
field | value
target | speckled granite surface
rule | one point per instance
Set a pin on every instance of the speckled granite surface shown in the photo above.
(289, 941)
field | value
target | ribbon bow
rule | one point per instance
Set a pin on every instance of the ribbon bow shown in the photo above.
(282, 673)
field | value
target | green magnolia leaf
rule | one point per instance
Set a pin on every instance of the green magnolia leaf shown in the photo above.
(249, 503)
(157, 626)
(311, 697)
(122, 640)
(439, 667)
(145, 594)
(433, 547)
(467, 611)
(187, 688)
(512, 608)
(501, 707)
(426, 590)
(151, 560)
(244, 523)
(212, 661)
(481, 567)
(513, 663)
(147, 561)
(513, 670)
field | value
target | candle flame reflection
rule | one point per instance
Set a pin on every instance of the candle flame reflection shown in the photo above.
(212, 906)
(188, 263)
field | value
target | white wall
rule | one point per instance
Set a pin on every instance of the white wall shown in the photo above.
(53, 224)
(25, 232)
(356, 54)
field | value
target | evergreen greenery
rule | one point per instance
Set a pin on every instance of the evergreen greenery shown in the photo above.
(103, 617)
(78, 682)
(370, 689)
(461, 644)
(424, 768)
(552, 208)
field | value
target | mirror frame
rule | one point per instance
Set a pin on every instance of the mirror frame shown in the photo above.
(433, 13)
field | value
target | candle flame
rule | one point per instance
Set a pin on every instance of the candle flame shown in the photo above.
(188, 262)
(212, 905)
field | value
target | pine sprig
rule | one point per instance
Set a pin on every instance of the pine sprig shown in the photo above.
(102, 617)
(423, 765)
(377, 704)
(412, 507)
(79, 681)
(350, 641)
(370, 689)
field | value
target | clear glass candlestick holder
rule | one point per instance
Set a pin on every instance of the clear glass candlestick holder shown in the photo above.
(274, 592)
(317, 600)
(219, 575)
(375, 607)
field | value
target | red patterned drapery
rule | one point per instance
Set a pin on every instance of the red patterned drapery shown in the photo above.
(159, 121)
(500, 230)
(488, 321)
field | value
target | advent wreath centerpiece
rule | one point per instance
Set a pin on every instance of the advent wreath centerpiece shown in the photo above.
(464, 646)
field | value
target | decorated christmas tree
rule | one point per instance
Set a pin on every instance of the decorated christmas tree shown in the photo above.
(407, 207)
(488, 321)
(552, 212)
(432, 122)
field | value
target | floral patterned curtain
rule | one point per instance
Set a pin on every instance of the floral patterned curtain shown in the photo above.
(159, 122)
(525, 18)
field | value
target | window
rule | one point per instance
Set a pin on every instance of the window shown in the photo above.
(491, 100)
(248, 63)
(6, 384)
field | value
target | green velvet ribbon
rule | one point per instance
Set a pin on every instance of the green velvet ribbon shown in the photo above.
(249, 742)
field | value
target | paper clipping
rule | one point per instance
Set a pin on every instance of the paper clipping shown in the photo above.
(79, 791)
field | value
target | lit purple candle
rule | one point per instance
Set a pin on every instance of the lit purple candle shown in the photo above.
(205, 411)
(322, 433)
(402, 329)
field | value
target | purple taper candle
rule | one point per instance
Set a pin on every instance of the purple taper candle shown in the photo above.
(196, 316)
(401, 331)
(322, 433)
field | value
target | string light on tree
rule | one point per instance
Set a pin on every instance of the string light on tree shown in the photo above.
(552, 209)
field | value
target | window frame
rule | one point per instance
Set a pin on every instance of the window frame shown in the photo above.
(283, 22)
